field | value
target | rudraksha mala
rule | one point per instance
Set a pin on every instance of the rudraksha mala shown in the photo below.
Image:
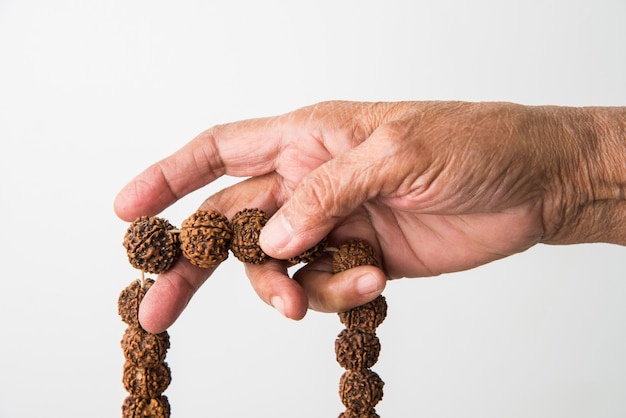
(146, 375)
(153, 245)
(357, 347)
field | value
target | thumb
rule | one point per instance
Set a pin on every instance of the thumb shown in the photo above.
(327, 195)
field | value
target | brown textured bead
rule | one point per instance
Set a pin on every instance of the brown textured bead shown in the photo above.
(146, 382)
(353, 414)
(310, 254)
(151, 245)
(247, 225)
(205, 238)
(144, 349)
(129, 300)
(366, 317)
(356, 350)
(134, 407)
(353, 253)
(360, 391)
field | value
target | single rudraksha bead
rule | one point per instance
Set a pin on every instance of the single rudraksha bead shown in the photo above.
(146, 382)
(366, 317)
(311, 254)
(129, 300)
(356, 350)
(144, 349)
(353, 253)
(205, 238)
(247, 225)
(151, 245)
(134, 407)
(360, 391)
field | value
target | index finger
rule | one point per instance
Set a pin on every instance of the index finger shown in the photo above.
(245, 148)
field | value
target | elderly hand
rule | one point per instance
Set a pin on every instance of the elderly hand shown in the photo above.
(435, 186)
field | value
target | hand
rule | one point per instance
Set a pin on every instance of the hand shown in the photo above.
(435, 186)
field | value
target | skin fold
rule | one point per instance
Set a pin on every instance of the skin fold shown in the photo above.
(435, 187)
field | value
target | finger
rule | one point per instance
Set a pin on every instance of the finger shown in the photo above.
(327, 292)
(331, 192)
(170, 294)
(270, 279)
(339, 292)
(173, 290)
(271, 282)
(318, 288)
(262, 192)
(245, 148)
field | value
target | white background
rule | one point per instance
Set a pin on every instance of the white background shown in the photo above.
(91, 92)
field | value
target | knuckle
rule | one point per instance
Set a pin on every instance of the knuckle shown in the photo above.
(316, 195)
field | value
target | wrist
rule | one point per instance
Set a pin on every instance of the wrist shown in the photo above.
(587, 183)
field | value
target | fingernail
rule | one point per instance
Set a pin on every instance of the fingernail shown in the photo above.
(367, 285)
(278, 304)
(276, 234)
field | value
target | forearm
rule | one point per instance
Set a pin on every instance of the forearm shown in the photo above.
(588, 185)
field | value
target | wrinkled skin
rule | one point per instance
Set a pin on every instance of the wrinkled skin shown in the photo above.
(435, 186)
